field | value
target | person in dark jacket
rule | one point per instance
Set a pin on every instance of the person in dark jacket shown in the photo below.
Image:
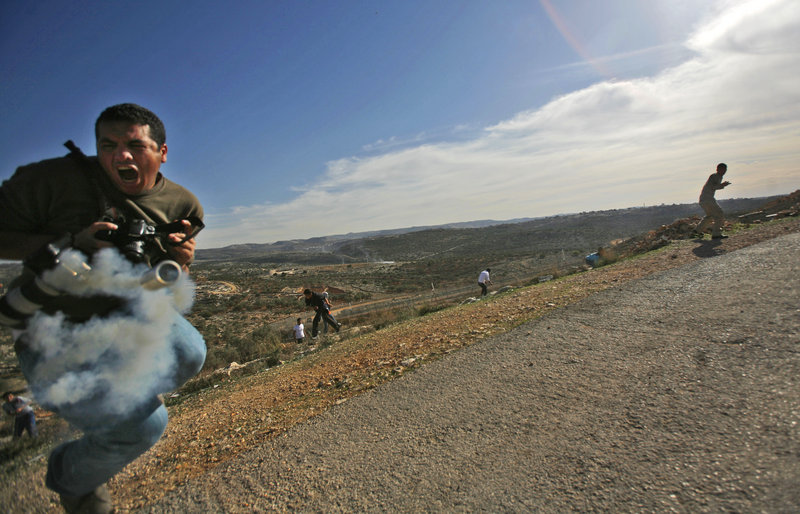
(322, 309)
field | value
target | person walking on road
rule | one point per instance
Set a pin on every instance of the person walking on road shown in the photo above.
(712, 209)
(484, 281)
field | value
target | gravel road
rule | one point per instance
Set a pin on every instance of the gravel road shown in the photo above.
(678, 392)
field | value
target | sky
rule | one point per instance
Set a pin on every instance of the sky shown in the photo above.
(297, 119)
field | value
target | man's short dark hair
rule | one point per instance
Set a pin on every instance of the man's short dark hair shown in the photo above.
(133, 113)
(722, 166)
(307, 291)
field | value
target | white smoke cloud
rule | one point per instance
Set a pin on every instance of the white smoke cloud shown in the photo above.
(120, 360)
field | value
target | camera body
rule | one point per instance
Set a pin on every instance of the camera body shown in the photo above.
(133, 238)
(139, 241)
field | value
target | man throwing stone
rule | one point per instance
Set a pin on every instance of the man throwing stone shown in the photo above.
(714, 214)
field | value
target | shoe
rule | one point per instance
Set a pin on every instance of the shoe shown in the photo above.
(95, 502)
(338, 326)
(719, 237)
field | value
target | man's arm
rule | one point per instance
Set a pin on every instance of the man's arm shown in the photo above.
(19, 245)
(182, 253)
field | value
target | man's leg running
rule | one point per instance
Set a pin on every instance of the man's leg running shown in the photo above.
(28, 424)
(315, 324)
(719, 221)
(19, 427)
(78, 467)
(713, 215)
(335, 324)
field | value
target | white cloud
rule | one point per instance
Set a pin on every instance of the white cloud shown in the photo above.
(732, 31)
(615, 144)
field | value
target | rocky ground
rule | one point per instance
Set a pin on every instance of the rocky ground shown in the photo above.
(216, 425)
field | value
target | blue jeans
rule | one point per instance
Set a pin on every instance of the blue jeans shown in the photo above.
(112, 440)
(23, 422)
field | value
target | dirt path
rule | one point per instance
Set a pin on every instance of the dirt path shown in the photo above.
(220, 287)
(641, 397)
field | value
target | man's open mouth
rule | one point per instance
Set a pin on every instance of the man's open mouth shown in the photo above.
(127, 174)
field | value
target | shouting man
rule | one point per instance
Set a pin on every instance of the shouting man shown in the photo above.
(77, 197)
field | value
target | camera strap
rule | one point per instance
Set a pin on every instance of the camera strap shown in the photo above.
(106, 207)
(177, 226)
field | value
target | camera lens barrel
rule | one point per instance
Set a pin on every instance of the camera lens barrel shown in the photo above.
(24, 301)
(163, 274)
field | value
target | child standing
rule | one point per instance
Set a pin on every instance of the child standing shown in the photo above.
(299, 331)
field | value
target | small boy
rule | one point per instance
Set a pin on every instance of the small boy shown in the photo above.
(299, 331)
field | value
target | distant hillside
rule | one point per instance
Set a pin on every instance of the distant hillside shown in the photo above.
(570, 232)
(324, 244)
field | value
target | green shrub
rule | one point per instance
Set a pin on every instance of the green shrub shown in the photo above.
(219, 356)
(262, 343)
(428, 309)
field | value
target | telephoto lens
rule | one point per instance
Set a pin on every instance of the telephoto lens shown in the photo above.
(163, 274)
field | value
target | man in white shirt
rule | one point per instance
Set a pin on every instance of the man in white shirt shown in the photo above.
(483, 281)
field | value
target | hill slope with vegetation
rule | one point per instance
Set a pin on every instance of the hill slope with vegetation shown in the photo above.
(579, 232)
(221, 415)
